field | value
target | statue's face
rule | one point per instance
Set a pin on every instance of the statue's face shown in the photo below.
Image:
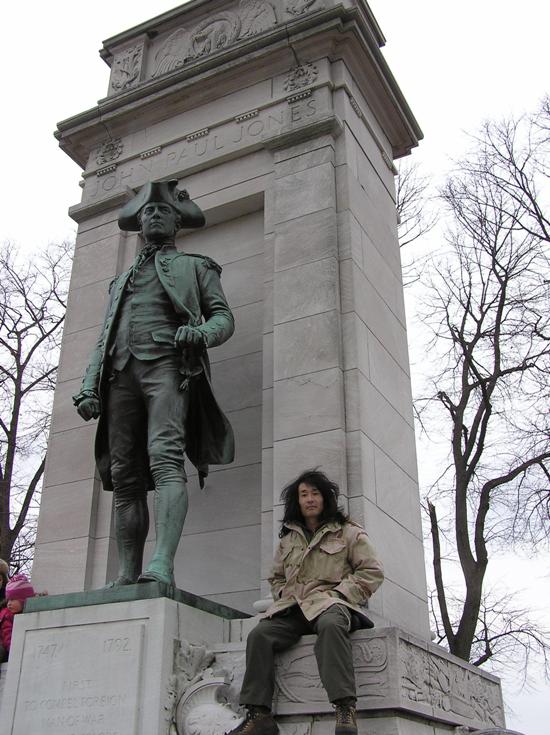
(159, 221)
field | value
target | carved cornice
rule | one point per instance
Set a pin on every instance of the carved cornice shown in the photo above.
(198, 134)
(203, 76)
(106, 170)
(246, 116)
(330, 125)
(151, 152)
(82, 212)
(299, 96)
(281, 123)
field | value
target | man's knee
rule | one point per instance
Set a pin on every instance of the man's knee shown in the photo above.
(128, 471)
(166, 469)
(258, 636)
(334, 621)
(128, 488)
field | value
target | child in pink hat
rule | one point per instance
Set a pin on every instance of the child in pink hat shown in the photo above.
(18, 590)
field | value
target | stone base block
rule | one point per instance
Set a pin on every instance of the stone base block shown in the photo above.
(105, 669)
(404, 686)
(159, 667)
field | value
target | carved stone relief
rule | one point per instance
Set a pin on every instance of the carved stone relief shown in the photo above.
(444, 685)
(370, 661)
(213, 34)
(257, 16)
(200, 712)
(297, 675)
(109, 151)
(231, 665)
(127, 68)
(300, 76)
(415, 678)
(202, 696)
(173, 53)
(298, 7)
(202, 692)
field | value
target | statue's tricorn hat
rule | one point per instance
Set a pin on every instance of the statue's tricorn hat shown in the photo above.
(161, 191)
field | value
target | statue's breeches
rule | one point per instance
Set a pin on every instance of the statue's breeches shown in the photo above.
(146, 418)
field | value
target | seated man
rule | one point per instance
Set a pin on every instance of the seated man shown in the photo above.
(324, 569)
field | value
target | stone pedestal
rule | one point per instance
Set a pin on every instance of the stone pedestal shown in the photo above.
(158, 667)
(114, 668)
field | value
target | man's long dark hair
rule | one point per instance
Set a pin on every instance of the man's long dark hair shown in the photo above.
(328, 489)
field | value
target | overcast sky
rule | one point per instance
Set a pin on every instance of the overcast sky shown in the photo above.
(458, 63)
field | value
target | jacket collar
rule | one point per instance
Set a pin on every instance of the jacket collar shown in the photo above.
(166, 245)
(319, 533)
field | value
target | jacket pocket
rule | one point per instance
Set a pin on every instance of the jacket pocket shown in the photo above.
(330, 560)
(292, 557)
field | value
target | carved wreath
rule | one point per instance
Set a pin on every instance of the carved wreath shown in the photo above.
(301, 76)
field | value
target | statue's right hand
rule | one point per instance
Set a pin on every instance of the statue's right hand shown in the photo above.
(89, 408)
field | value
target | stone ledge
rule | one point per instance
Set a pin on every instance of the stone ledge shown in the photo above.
(395, 673)
(130, 593)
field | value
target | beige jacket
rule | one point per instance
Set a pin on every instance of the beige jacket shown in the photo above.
(338, 565)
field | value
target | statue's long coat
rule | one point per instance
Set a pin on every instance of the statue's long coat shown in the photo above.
(193, 285)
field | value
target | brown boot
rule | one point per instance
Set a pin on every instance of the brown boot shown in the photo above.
(346, 716)
(258, 721)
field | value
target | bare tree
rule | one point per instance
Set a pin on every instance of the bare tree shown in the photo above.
(506, 632)
(413, 203)
(514, 155)
(32, 311)
(487, 304)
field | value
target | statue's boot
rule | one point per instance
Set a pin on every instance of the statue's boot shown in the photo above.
(170, 511)
(131, 528)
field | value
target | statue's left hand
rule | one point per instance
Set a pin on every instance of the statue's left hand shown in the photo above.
(188, 337)
(89, 408)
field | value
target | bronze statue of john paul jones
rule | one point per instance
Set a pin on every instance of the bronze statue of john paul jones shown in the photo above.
(148, 380)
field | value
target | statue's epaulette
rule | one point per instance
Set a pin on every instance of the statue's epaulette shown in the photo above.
(208, 261)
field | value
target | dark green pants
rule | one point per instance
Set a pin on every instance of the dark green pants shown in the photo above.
(145, 403)
(273, 635)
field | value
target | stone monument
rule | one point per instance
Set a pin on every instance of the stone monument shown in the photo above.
(283, 120)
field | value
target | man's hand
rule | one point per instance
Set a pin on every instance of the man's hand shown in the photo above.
(89, 408)
(188, 337)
